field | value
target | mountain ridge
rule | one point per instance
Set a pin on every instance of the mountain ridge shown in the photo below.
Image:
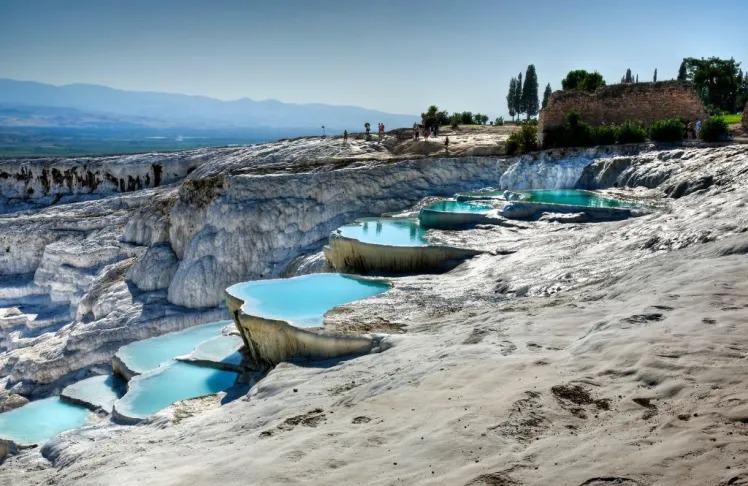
(185, 109)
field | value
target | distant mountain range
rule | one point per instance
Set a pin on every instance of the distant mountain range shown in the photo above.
(32, 104)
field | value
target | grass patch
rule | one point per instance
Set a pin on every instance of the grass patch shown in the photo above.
(732, 119)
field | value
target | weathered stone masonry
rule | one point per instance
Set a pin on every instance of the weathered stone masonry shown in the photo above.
(615, 104)
(745, 115)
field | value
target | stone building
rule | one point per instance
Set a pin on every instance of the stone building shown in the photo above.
(615, 104)
(745, 115)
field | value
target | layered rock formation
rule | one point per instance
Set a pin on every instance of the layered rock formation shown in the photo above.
(606, 353)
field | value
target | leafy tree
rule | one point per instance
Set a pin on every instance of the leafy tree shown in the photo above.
(546, 95)
(455, 120)
(510, 98)
(480, 118)
(654, 78)
(582, 80)
(499, 121)
(717, 81)
(530, 92)
(433, 118)
(742, 91)
(466, 118)
(518, 96)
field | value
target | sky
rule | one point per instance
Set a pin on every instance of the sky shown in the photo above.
(398, 56)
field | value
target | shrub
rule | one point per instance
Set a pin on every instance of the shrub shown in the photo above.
(604, 135)
(669, 130)
(713, 130)
(631, 132)
(523, 140)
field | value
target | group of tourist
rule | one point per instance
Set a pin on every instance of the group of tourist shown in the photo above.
(367, 127)
(419, 130)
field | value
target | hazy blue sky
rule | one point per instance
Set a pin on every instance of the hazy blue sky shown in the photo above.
(397, 56)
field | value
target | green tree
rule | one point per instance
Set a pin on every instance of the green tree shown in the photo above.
(455, 120)
(480, 118)
(628, 78)
(683, 71)
(433, 118)
(466, 118)
(654, 78)
(546, 95)
(530, 92)
(510, 97)
(582, 80)
(518, 96)
(717, 81)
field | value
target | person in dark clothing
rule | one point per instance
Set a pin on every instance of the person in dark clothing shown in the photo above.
(345, 136)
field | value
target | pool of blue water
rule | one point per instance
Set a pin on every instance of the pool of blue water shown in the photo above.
(386, 231)
(573, 197)
(39, 421)
(148, 354)
(99, 391)
(459, 207)
(150, 392)
(303, 301)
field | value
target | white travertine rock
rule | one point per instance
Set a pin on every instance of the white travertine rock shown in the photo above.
(155, 268)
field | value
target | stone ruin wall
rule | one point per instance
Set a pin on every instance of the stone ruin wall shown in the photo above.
(745, 115)
(615, 104)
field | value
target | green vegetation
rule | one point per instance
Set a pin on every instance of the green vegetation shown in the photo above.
(714, 130)
(582, 80)
(720, 83)
(604, 135)
(523, 140)
(433, 118)
(546, 95)
(670, 130)
(523, 98)
(732, 119)
(510, 97)
(631, 132)
(530, 102)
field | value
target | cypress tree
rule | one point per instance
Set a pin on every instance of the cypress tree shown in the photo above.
(683, 71)
(628, 78)
(546, 95)
(510, 97)
(518, 96)
(654, 79)
(530, 92)
(637, 78)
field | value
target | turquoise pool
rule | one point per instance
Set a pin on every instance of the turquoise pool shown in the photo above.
(39, 421)
(573, 197)
(148, 354)
(303, 301)
(386, 231)
(459, 207)
(150, 392)
(100, 391)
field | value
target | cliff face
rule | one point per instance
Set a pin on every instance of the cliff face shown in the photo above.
(101, 267)
(256, 225)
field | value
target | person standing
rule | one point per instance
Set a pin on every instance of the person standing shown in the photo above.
(345, 136)
(446, 144)
(698, 128)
